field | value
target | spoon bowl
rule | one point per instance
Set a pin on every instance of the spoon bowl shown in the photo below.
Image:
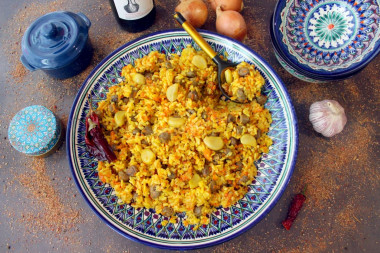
(221, 64)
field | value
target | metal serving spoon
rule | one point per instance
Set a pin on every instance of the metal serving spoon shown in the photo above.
(222, 65)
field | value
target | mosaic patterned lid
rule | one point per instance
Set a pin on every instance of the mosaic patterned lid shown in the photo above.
(328, 37)
(34, 130)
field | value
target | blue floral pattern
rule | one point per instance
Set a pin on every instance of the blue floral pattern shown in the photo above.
(144, 225)
(330, 35)
(331, 27)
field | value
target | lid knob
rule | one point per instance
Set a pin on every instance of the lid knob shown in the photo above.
(49, 30)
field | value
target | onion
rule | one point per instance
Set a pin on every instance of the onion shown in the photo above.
(231, 24)
(227, 5)
(194, 11)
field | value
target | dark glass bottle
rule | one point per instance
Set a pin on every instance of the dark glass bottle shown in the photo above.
(134, 15)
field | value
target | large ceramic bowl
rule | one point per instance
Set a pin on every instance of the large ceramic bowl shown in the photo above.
(326, 40)
(144, 225)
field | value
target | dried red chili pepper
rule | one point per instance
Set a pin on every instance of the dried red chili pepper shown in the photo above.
(96, 143)
(295, 207)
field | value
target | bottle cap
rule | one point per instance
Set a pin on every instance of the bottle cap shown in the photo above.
(35, 131)
(54, 40)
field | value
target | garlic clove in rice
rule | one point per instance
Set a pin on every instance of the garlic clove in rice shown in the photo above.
(199, 61)
(248, 140)
(228, 76)
(139, 79)
(176, 122)
(214, 142)
(195, 180)
(147, 156)
(327, 117)
(120, 118)
(172, 92)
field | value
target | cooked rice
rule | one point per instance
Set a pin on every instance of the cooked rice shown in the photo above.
(176, 181)
(250, 84)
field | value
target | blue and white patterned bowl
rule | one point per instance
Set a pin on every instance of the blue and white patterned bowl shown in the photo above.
(145, 226)
(326, 39)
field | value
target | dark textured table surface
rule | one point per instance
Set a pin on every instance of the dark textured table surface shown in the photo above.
(41, 209)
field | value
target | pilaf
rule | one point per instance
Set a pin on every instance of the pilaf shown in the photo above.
(179, 147)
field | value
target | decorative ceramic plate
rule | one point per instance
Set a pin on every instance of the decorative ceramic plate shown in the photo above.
(144, 225)
(330, 37)
(287, 66)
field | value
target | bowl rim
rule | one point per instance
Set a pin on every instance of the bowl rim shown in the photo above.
(303, 68)
(301, 71)
(292, 120)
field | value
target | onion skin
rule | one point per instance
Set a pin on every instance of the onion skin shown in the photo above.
(194, 11)
(231, 24)
(227, 5)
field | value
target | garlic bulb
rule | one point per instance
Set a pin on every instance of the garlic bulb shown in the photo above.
(327, 117)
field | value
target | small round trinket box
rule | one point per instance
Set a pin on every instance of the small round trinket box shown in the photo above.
(58, 43)
(35, 131)
(326, 40)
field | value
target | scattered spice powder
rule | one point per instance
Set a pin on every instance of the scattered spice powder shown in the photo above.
(335, 168)
(53, 216)
(327, 169)
(19, 72)
(347, 217)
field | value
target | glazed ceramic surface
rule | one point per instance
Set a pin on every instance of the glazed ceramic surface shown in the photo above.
(291, 69)
(294, 72)
(330, 36)
(144, 225)
(58, 43)
(34, 130)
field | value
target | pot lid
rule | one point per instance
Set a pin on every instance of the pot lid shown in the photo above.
(54, 40)
(34, 130)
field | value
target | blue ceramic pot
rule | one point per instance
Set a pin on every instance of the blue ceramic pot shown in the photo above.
(58, 43)
(326, 40)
